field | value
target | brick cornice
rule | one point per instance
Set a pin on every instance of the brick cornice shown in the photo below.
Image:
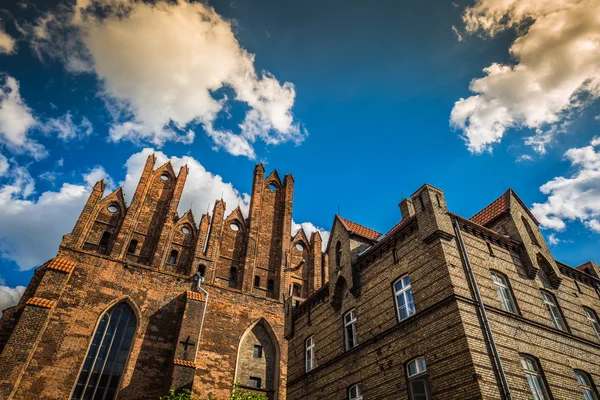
(195, 296)
(39, 302)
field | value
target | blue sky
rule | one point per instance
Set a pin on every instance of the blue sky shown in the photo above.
(362, 102)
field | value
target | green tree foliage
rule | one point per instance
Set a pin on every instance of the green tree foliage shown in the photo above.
(236, 394)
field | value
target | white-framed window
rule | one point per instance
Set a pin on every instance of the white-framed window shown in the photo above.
(534, 378)
(593, 320)
(355, 392)
(585, 383)
(350, 330)
(405, 304)
(418, 380)
(554, 311)
(506, 299)
(310, 353)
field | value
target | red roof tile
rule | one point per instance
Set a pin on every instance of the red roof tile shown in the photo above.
(195, 296)
(360, 230)
(62, 264)
(184, 363)
(37, 301)
(495, 209)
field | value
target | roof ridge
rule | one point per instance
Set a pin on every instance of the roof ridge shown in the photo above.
(359, 229)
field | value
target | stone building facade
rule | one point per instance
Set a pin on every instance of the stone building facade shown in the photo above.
(121, 312)
(444, 307)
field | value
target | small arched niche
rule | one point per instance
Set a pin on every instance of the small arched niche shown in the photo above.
(258, 359)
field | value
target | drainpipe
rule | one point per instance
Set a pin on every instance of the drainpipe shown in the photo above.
(485, 322)
(200, 280)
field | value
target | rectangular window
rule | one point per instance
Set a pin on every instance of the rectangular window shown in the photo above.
(258, 351)
(506, 300)
(255, 382)
(355, 392)
(405, 304)
(554, 311)
(350, 330)
(585, 383)
(310, 354)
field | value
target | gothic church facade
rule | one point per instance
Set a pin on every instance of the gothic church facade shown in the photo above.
(140, 300)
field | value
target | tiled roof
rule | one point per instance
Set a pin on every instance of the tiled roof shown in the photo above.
(62, 264)
(195, 296)
(36, 301)
(495, 209)
(360, 230)
(185, 363)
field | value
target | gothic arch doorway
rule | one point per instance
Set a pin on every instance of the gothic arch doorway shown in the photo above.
(257, 365)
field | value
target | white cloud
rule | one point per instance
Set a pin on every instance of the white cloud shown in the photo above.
(16, 120)
(9, 296)
(459, 36)
(66, 129)
(7, 43)
(553, 240)
(31, 229)
(524, 158)
(3, 164)
(556, 70)
(159, 89)
(576, 197)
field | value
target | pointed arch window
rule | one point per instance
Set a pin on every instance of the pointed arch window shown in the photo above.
(104, 363)
(132, 246)
(202, 270)
(338, 254)
(173, 257)
(105, 239)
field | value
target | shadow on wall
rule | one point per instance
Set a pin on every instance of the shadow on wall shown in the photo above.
(154, 361)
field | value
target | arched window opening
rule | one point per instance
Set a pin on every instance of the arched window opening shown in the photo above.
(585, 383)
(257, 281)
(535, 380)
(258, 358)
(173, 257)
(355, 392)
(132, 246)
(530, 231)
(418, 380)
(105, 239)
(202, 270)
(338, 254)
(104, 363)
(270, 285)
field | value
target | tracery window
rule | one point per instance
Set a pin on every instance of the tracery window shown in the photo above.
(104, 363)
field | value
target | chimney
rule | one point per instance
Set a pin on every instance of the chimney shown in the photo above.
(407, 209)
